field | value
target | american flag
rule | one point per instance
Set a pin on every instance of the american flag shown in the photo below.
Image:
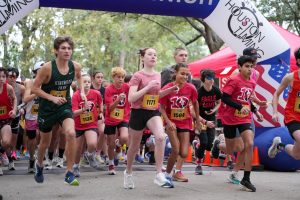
(269, 81)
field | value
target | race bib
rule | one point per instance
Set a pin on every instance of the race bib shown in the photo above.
(178, 113)
(203, 127)
(3, 110)
(56, 93)
(238, 113)
(86, 118)
(150, 101)
(297, 103)
(117, 114)
(34, 109)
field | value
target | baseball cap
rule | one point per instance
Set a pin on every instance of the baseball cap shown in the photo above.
(38, 65)
(250, 51)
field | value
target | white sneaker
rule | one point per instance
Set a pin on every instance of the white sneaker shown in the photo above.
(4, 159)
(99, 159)
(60, 162)
(128, 180)
(273, 150)
(162, 181)
(48, 164)
(11, 166)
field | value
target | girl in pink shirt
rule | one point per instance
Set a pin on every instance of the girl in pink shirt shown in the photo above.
(144, 98)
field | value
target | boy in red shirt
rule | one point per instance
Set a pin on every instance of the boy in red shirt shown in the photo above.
(236, 115)
(117, 113)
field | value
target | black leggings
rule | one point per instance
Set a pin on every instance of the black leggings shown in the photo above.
(206, 142)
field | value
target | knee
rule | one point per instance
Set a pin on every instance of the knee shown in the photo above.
(249, 145)
(184, 154)
(123, 140)
(159, 139)
(70, 133)
(297, 156)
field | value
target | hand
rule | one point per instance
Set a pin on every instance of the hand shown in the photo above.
(121, 96)
(12, 114)
(152, 84)
(245, 110)
(275, 117)
(175, 88)
(22, 111)
(210, 112)
(58, 100)
(259, 116)
(263, 104)
(210, 124)
(170, 126)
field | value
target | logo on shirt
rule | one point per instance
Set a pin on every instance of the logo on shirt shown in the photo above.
(179, 102)
(90, 104)
(245, 94)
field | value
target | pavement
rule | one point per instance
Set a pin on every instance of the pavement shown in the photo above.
(97, 184)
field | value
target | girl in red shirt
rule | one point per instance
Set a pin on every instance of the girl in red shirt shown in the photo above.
(86, 119)
(175, 110)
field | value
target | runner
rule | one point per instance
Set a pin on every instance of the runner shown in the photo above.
(143, 96)
(175, 109)
(13, 74)
(86, 119)
(31, 117)
(52, 86)
(8, 109)
(116, 115)
(97, 79)
(209, 98)
(236, 115)
(292, 113)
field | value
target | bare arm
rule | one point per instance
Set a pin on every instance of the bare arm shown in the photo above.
(12, 96)
(27, 94)
(42, 77)
(167, 91)
(286, 81)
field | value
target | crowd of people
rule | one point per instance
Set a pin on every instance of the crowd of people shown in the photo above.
(150, 114)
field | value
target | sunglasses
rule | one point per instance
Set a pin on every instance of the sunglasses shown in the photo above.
(209, 78)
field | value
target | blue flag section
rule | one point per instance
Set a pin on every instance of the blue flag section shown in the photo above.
(184, 8)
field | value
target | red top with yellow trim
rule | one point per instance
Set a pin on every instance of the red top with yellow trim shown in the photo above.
(177, 105)
(89, 118)
(5, 103)
(292, 109)
(122, 111)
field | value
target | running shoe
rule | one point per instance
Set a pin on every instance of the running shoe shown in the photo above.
(234, 178)
(139, 158)
(111, 170)
(71, 179)
(11, 166)
(215, 149)
(92, 161)
(76, 171)
(48, 164)
(100, 159)
(198, 170)
(31, 166)
(169, 178)
(4, 159)
(247, 185)
(178, 176)
(38, 176)
(273, 150)
(230, 165)
(128, 180)
(1, 172)
(162, 181)
(60, 162)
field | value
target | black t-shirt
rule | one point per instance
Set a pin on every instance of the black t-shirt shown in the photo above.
(207, 101)
(101, 90)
